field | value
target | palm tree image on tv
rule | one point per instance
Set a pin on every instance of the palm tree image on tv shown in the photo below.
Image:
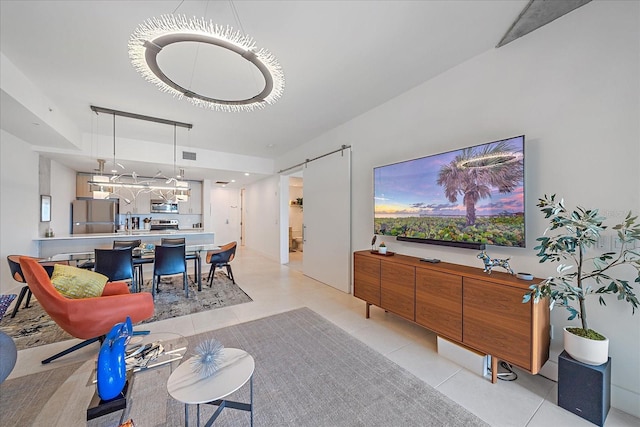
(475, 194)
(474, 172)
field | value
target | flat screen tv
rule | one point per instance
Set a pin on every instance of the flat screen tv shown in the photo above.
(468, 198)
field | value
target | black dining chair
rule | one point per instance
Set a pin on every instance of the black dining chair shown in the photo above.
(167, 241)
(169, 260)
(137, 268)
(16, 273)
(126, 244)
(116, 264)
(221, 258)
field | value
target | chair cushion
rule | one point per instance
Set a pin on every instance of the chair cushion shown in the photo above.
(73, 282)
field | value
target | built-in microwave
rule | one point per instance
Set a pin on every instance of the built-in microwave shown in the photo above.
(163, 206)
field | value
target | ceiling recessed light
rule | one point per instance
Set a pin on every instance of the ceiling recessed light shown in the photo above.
(246, 174)
(233, 180)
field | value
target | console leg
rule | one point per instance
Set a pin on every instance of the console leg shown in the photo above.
(494, 369)
(368, 306)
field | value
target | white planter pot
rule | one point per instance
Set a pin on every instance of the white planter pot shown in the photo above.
(591, 352)
(382, 250)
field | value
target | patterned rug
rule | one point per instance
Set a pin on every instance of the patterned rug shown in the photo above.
(33, 327)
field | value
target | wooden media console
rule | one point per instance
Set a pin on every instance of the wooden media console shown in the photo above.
(463, 304)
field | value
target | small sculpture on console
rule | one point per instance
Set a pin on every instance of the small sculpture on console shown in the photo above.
(495, 262)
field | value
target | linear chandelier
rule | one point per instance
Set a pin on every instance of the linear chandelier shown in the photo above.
(154, 34)
(180, 185)
(103, 186)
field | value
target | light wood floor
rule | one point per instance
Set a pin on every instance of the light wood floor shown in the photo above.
(275, 288)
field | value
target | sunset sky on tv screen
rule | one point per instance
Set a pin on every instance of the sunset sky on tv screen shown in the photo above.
(411, 188)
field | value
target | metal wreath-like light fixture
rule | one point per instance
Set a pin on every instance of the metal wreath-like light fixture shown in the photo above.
(154, 34)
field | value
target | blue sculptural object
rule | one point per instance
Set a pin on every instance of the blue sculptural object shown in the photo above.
(112, 369)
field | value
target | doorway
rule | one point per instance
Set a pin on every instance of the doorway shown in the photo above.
(296, 221)
(326, 207)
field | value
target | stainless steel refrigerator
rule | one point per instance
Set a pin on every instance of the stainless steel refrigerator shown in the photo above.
(94, 216)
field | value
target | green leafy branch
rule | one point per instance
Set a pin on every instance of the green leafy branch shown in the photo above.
(581, 230)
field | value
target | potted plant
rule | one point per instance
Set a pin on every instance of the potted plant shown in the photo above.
(577, 273)
(382, 248)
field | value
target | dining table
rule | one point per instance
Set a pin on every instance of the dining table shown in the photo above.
(145, 256)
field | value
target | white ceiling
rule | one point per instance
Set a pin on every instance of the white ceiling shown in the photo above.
(340, 59)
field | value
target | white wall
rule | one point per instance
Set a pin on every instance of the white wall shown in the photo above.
(225, 215)
(63, 192)
(572, 88)
(19, 204)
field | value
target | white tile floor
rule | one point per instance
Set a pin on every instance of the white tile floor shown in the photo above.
(529, 401)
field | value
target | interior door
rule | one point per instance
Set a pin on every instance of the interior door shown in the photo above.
(327, 220)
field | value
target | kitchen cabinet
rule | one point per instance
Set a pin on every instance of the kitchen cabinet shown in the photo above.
(140, 205)
(464, 304)
(83, 190)
(192, 206)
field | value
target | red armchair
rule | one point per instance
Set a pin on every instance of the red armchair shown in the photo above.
(88, 318)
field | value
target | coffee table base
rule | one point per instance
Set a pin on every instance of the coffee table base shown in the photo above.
(221, 404)
(99, 407)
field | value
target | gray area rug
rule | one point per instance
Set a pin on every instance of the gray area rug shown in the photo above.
(308, 372)
(33, 327)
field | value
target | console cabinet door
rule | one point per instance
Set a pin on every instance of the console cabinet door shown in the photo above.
(497, 322)
(439, 302)
(366, 279)
(398, 289)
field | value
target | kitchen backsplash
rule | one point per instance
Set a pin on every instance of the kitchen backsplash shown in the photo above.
(184, 221)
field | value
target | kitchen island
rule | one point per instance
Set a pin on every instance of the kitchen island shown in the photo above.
(48, 246)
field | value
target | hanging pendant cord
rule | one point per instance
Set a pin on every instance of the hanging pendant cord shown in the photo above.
(177, 7)
(174, 150)
(114, 140)
(234, 11)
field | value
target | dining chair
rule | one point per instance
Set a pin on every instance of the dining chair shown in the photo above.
(137, 268)
(88, 319)
(165, 241)
(221, 258)
(126, 243)
(18, 276)
(169, 260)
(117, 265)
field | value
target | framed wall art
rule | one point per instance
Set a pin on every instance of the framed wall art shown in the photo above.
(45, 208)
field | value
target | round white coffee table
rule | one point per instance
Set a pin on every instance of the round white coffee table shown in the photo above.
(235, 369)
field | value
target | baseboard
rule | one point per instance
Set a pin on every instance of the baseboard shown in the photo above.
(463, 356)
(625, 400)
